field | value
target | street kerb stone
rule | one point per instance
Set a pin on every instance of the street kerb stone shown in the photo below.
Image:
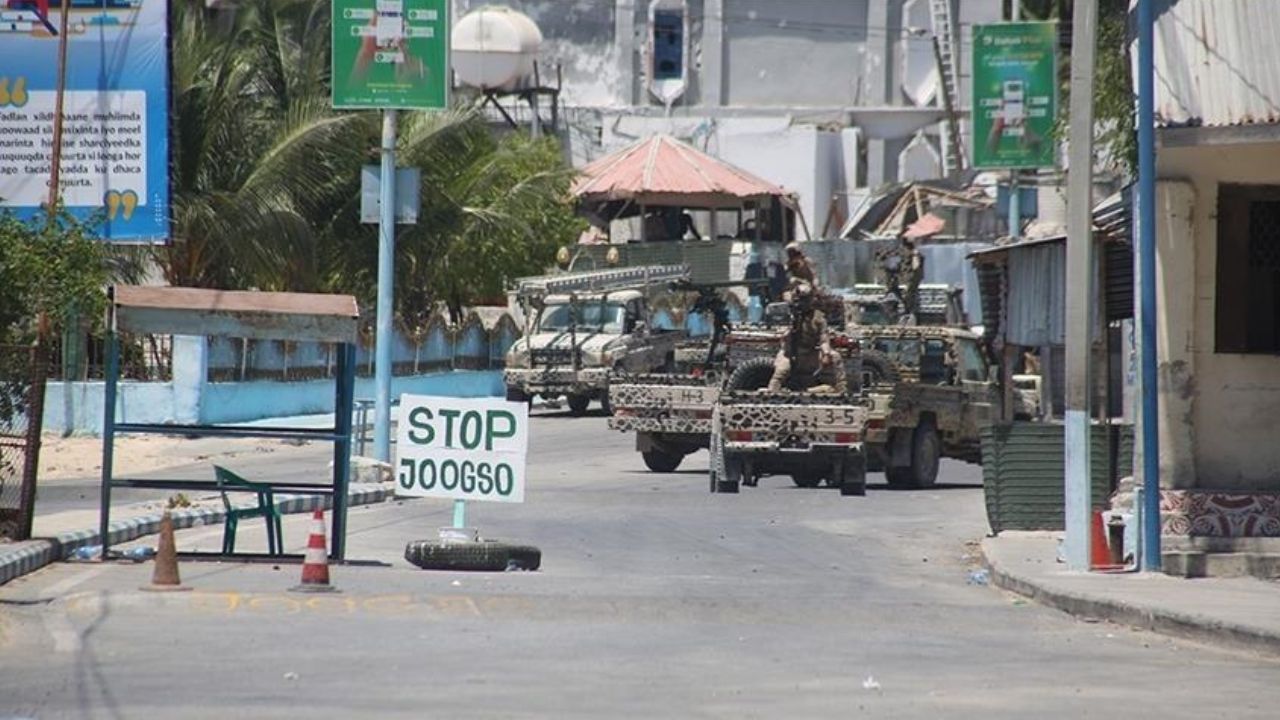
(1200, 628)
(32, 555)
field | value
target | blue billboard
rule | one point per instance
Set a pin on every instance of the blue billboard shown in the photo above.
(115, 141)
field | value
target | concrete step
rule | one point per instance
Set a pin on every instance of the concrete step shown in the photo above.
(1193, 564)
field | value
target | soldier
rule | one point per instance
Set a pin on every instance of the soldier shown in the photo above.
(901, 271)
(799, 267)
(806, 349)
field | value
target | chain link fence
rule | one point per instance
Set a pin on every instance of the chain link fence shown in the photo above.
(22, 379)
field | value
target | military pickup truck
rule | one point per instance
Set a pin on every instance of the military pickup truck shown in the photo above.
(929, 397)
(582, 326)
(671, 413)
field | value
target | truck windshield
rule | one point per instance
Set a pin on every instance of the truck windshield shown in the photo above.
(606, 317)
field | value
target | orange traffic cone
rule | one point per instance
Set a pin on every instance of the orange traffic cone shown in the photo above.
(165, 576)
(1099, 553)
(315, 564)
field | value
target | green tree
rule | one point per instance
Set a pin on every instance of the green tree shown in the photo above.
(51, 266)
(266, 176)
(492, 208)
(257, 153)
(1114, 103)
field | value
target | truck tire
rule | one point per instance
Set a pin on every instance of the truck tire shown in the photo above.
(733, 472)
(926, 452)
(662, 461)
(853, 475)
(515, 394)
(578, 404)
(806, 478)
(754, 374)
(475, 557)
(877, 369)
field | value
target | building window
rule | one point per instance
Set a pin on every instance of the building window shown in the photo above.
(1247, 297)
(668, 44)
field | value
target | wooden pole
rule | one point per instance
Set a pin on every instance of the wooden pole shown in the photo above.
(55, 160)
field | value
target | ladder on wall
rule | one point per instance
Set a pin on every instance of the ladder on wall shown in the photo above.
(944, 48)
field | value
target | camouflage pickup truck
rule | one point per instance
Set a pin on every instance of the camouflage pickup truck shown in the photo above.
(929, 396)
(671, 413)
(581, 327)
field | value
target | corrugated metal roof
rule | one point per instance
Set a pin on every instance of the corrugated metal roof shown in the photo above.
(1216, 62)
(664, 170)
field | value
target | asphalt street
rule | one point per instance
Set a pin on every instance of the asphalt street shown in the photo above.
(655, 599)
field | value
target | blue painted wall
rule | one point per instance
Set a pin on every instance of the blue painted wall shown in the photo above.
(232, 402)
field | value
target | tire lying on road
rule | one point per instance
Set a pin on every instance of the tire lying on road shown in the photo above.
(487, 556)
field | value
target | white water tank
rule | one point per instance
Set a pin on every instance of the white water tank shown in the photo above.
(494, 48)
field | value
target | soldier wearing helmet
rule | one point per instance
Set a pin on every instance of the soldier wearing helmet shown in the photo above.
(799, 267)
(806, 348)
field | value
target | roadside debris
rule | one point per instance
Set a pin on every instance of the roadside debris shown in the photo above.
(979, 577)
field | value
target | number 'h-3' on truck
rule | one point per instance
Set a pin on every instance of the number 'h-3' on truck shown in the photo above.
(581, 326)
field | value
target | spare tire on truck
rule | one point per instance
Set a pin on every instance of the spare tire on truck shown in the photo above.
(878, 369)
(754, 374)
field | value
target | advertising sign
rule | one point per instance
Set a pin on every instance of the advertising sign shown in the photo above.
(461, 448)
(391, 54)
(115, 142)
(1015, 93)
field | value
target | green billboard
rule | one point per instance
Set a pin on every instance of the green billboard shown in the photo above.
(391, 54)
(1015, 94)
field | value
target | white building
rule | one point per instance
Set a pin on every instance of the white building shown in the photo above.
(782, 88)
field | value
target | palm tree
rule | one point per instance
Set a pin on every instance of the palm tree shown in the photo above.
(266, 176)
(492, 208)
(257, 152)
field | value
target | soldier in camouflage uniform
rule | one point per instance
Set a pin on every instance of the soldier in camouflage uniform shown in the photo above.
(901, 272)
(806, 349)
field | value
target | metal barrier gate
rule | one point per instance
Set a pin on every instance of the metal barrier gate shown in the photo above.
(23, 369)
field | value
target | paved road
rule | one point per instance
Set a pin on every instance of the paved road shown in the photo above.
(656, 599)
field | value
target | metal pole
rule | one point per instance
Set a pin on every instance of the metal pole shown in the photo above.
(1147, 286)
(1079, 315)
(112, 377)
(386, 285)
(1015, 206)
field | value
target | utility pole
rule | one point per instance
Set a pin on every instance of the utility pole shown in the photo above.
(1080, 286)
(1150, 511)
(55, 160)
(386, 295)
(1015, 192)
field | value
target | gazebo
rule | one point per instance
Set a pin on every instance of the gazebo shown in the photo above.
(661, 177)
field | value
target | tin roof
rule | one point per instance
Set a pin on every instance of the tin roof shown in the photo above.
(1215, 62)
(247, 314)
(662, 170)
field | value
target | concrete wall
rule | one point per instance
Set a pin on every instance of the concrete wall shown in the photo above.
(189, 398)
(1217, 410)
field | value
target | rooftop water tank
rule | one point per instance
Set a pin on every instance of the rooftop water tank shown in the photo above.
(494, 48)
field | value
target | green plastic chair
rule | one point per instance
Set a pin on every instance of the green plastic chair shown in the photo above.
(265, 509)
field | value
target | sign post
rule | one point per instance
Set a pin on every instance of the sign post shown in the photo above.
(390, 55)
(461, 448)
(1015, 100)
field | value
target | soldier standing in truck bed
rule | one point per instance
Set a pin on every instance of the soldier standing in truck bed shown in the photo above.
(806, 349)
(799, 267)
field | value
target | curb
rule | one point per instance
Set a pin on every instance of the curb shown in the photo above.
(35, 554)
(1166, 622)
